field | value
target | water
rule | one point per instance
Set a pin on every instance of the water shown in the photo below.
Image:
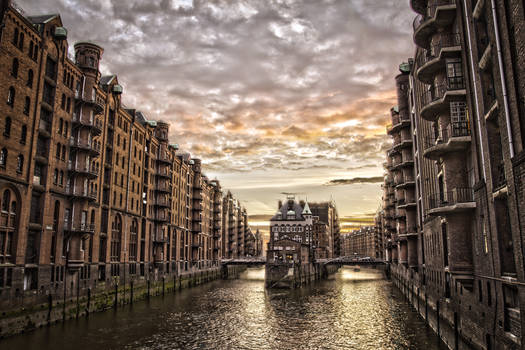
(352, 310)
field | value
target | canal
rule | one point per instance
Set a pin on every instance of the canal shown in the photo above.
(352, 310)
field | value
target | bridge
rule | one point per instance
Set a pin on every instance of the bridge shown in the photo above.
(352, 261)
(343, 260)
(245, 261)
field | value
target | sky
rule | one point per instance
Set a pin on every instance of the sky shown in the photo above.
(275, 96)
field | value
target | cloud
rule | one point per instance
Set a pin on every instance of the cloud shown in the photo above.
(249, 85)
(356, 180)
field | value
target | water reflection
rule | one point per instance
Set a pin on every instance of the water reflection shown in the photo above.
(241, 314)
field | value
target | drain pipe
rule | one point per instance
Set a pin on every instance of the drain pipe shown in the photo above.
(467, 24)
(503, 82)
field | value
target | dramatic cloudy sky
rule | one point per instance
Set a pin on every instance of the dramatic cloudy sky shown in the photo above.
(275, 96)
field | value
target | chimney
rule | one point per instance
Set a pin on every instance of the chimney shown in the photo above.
(302, 202)
(280, 204)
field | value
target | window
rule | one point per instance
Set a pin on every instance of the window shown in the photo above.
(27, 105)
(63, 102)
(68, 106)
(31, 47)
(11, 96)
(61, 178)
(116, 233)
(58, 150)
(23, 135)
(30, 76)
(14, 68)
(55, 176)
(133, 241)
(15, 37)
(19, 163)
(8, 223)
(21, 41)
(60, 126)
(455, 74)
(3, 157)
(35, 53)
(7, 127)
(66, 128)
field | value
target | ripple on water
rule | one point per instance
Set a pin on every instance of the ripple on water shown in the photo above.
(351, 311)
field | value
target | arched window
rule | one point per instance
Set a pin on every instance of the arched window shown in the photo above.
(58, 150)
(60, 125)
(15, 37)
(66, 128)
(3, 157)
(68, 107)
(31, 47)
(11, 96)
(64, 77)
(30, 76)
(133, 239)
(6, 200)
(21, 41)
(116, 235)
(56, 221)
(55, 176)
(7, 127)
(27, 105)
(63, 102)
(19, 163)
(61, 178)
(23, 134)
(63, 152)
(14, 68)
(8, 222)
(35, 53)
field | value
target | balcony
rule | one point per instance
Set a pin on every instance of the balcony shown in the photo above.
(403, 163)
(85, 145)
(440, 14)
(97, 103)
(402, 143)
(78, 193)
(437, 99)
(95, 124)
(44, 128)
(163, 158)
(163, 173)
(163, 187)
(399, 121)
(82, 169)
(162, 202)
(458, 200)
(81, 227)
(455, 138)
(161, 216)
(408, 181)
(448, 45)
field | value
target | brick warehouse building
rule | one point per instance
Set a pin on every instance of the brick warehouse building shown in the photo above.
(92, 194)
(456, 250)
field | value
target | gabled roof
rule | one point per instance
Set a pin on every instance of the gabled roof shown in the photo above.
(42, 19)
(306, 210)
(107, 79)
(296, 207)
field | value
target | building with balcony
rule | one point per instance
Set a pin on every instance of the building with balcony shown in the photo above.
(92, 193)
(451, 224)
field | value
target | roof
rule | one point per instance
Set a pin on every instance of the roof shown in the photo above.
(307, 210)
(39, 19)
(295, 207)
(107, 79)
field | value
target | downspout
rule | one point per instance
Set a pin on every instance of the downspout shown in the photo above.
(503, 81)
(474, 81)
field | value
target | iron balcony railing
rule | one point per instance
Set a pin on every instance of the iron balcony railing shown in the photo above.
(79, 227)
(432, 7)
(449, 198)
(439, 90)
(444, 41)
(456, 129)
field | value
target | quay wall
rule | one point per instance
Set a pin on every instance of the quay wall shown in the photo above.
(105, 296)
